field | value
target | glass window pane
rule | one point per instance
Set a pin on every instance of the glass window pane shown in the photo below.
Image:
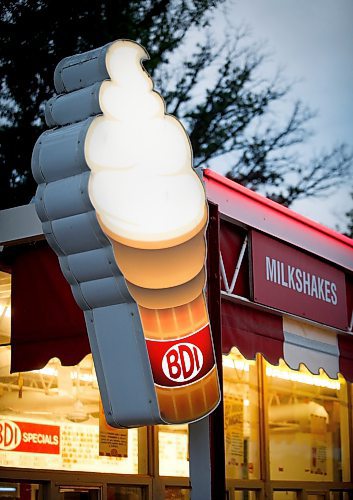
(22, 491)
(50, 418)
(115, 492)
(176, 493)
(308, 421)
(241, 417)
(79, 493)
(173, 441)
(245, 495)
(341, 495)
(285, 495)
(5, 307)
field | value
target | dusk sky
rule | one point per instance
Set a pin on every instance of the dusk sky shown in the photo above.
(313, 41)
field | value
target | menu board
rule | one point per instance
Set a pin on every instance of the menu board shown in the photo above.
(112, 442)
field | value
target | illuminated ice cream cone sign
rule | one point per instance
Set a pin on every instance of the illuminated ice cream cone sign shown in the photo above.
(126, 214)
(152, 206)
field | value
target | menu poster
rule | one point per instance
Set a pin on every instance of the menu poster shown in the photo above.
(318, 445)
(234, 434)
(112, 442)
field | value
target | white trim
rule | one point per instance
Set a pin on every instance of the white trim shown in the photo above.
(230, 288)
(19, 224)
(350, 328)
(313, 346)
(239, 263)
(223, 272)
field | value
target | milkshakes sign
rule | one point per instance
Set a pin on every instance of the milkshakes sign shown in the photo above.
(294, 282)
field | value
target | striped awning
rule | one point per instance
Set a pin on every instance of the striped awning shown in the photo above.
(279, 337)
(254, 328)
(47, 322)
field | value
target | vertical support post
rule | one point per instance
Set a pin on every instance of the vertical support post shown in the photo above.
(200, 460)
(207, 466)
(350, 428)
(264, 428)
(214, 307)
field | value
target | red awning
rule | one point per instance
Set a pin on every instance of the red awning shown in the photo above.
(254, 331)
(251, 331)
(254, 328)
(46, 321)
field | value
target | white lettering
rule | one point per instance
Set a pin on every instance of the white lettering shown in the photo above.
(302, 281)
(333, 294)
(321, 288)
(314, 286)
(299, 284)
(283, 281)
(306, 283)
(327, 291)
(270, 269)
(290, 277)
(182, 362)
(10, 435)
(33, 437)
(278, 272)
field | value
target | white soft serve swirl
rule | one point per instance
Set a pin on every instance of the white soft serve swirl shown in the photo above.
(142, 184)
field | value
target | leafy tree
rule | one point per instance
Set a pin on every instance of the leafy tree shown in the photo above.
(217, 90)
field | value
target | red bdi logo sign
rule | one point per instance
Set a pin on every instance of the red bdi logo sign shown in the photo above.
(29, 437)
(182, 361)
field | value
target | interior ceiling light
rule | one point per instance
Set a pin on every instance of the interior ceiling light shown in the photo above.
(303, 378)
(236, 363)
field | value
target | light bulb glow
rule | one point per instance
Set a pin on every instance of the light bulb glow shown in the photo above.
(74, 375)
(235, 363)
(5, 311)
(47, 370)
(303, 378)
(142, 183)
(85, 377)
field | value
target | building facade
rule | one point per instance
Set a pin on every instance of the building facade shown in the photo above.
(280, 292)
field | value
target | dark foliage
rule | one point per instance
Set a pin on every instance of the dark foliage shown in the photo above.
(217, 91)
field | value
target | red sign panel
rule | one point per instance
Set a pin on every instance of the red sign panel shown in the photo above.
(29, 437)
(181, 361)
(291, 280)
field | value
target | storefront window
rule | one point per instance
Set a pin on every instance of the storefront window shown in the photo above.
(5, 307)
(175, 493)
(341, 495)
(241, 417)
(51, 419)
(245, 495)
(285, 495)
(20, 490)
(115, 492)
(79, 493)
(308, 425)
(173, 441)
